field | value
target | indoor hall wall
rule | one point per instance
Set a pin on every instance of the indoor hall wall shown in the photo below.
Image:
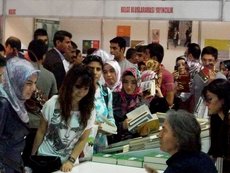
(82, 29)
(21, 27)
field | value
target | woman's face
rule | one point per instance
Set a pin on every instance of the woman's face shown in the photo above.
(181, 66)
(29, 87)
(168, 142)
(109, 74)
(214, 104)
(223, 69)
(79, 92)
(97, 70)
(78, 59)
(129, 84)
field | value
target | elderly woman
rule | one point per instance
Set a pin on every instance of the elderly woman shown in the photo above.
(180, 137)
(217, 97)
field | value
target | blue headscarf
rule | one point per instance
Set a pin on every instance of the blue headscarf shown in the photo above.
(17, 72)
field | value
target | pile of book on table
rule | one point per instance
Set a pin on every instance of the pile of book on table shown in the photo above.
(152, 158)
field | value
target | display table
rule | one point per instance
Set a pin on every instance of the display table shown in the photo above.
(93, 167)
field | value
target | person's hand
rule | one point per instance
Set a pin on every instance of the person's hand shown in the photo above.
(126, 123)
(67, 166)
(149, 170)
(158, 92)
(175, 75)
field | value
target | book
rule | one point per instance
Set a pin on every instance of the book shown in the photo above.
(184, 80)
(151, 125)
(148, 88)
(105, 158)
(108, 128)
(157, 157)
(138, 116)
(156, 166)
(132, 115)
(204, 74)
(130, 161)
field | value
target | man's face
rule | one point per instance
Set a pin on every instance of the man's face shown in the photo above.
(64, 45)
(8, 50)
(116, 51)
(208, 61)
(43, 38)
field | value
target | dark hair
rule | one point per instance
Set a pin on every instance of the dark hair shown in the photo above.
(2, 61)
(140, 64)
(226, 64)
(194, 49)
(210, 51)
(83, 75)
(180, 58)
(77, 52)
(92, 58)
(40, 32)
(2, 47)
(156, 50)
(90, 51)
(141, 48)
(60, 35)
(221, 88)
(37, 48)
(14, 43)
(120, 41)
(74, 45)
(186, 129)
(130, 52)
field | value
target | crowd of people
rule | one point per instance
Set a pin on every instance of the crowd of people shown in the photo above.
(80, 93)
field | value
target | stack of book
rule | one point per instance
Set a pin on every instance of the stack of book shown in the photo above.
(156, 160)
(151, 141)
(139, 116)
(105, 158)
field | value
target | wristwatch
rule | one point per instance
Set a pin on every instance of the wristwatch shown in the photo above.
(71, 159)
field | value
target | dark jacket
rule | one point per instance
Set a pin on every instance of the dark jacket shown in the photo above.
(13, 133)
(185, 162)
(53, 63)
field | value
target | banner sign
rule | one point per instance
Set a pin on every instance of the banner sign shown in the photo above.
(138, 9)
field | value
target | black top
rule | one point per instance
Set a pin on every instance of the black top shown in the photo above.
(190, 162)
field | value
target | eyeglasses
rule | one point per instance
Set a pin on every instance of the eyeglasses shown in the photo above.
(91, 58)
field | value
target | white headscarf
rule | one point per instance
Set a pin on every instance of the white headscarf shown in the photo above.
(117, 69)
(104, 55)
(17, 72)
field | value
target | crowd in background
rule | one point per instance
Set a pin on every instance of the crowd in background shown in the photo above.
(79, 93)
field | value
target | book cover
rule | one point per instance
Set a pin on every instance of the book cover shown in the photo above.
(148, 88)
(156, 157)
(184, 80)
(105, 158)
(130, 161)
(108, 128)
(204, 74)
(152, 125)
(132, 115)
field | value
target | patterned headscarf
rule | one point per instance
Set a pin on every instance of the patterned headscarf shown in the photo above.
(117, 68)
(137, 75)
(17, 72)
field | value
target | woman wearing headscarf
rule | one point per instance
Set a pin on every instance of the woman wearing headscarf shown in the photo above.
(125, 101)
(112, 75)
(19, 83)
